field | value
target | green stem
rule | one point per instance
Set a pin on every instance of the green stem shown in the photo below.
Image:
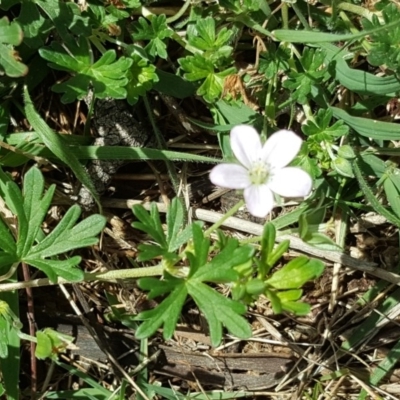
(179, 13)
(353, 8)
(185, 44)
(124, 273)
(10, 272)
(26, 337)
(111, 276)
(285, 17)
(228, 214)
(300, 16)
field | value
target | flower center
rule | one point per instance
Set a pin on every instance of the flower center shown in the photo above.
(259, 173)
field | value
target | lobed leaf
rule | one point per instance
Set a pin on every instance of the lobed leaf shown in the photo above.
(58, 268)
(167, 314)
(219, 311)
(296, 273)
(65, 236)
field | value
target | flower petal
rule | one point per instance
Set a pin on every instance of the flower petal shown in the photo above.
(281, 148)
(230, 176)
(291, 182)
(259, 200)
(246, 144)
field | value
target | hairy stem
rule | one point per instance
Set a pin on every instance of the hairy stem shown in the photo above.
(110, 276)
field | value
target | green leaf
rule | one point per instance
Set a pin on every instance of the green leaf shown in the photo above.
(384, 42)
(201, 247)
(107, 76)
(219, 311)
(35, 27)
(10, 364)
(7, 241)
(221, 268)
(66, 18)
(35, 204)
(205, 38)
(150, 223)
(176, 235)
(51, 343)
(158, 288)
(14, 201)
(368, 127)
(167, 314)
(175, 218)
(357, 80)
(58, 146)
(65, 236)
(6, 259)
(358, 167)
(391, 186)
(213, 85)
(196, 67)
(290, 295)
(44, 346)
(275, 301)
(296, 307)
(58, 268)
(255, 287)
(183, 237)
(4, 328)
(156, 31)
(267, 241)
(347, 152)
(288, 301)
(314, 71)
(303, 36)
(343, 167)
(278, 252)
(173, 85)
(296, 273)
(10, 35)
(149, 252)
(141, 78)
(307, 163)
(321, 129)
(275, 61)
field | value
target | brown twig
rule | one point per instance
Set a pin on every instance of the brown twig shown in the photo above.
(32, 330)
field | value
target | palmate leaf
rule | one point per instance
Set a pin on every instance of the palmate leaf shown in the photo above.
(58, 268)
(141, 77)
(176, 236)
(107, 75)
(155, 31)
(31, 245)
(167, 314)
(205, 38)
(219, 311)
(67, 236)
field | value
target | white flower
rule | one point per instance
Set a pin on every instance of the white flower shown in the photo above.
(263, 169)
